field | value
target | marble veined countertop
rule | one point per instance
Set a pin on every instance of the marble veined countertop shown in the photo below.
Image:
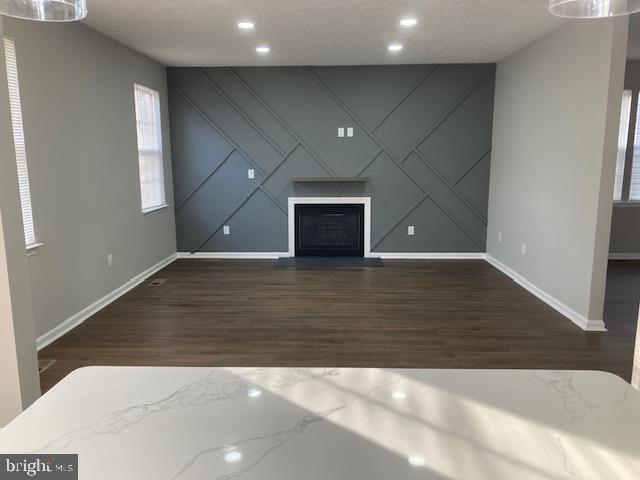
(339, 424)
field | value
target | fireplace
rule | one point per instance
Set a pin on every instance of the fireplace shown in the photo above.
(329, 230)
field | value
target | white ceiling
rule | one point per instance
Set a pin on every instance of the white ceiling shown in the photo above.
(322, 32)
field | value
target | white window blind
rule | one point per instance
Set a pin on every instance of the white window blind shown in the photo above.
(623, 136)
(149, 148)
(634, 191)
(18, 141)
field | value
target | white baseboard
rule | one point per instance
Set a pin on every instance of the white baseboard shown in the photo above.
(430, 256)
(236, 255)
(575, 317)
(75, 320)
(624, 256)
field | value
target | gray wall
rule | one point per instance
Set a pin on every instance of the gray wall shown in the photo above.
(422, 137)
(19, 380)
(625, 224)
(79, 121)
(554, 148)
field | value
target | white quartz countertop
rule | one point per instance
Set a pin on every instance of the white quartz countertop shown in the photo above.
(339, 424)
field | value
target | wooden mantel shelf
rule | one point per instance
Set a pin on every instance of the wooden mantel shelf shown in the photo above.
(328, 179)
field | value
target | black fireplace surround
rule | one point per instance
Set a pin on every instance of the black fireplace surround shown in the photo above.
(329, 230)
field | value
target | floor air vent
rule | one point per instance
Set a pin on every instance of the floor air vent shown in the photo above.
(156, 282)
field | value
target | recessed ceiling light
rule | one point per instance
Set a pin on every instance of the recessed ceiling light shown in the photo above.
(395, 47)
(399, 395)
(417, 461)
(408, 22)
(263, 49)
(246, 25)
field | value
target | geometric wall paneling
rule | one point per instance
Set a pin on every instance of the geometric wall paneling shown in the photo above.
(257, 226)
(213, 202)
(409, 123)
(438, 96)
(434, 232)
(448, 200)
(310, 112)
(470, 186)
(388, 84)
(226, 82)
(392, 194)
(195, 85)
(299, 164)
(455, 150)
(199, 146)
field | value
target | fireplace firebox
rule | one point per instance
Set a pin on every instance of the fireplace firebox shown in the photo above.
(329, 230)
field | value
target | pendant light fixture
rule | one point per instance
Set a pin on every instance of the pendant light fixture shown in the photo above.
(45, 10)
(593, 8)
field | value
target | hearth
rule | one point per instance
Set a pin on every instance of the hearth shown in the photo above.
(329, 230)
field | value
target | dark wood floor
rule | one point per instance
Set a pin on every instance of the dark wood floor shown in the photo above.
(423, 314)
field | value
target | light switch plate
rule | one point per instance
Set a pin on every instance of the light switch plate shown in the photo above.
(341, 132)
(251, 173)
(349, 131)
(226, 230)
(411, 230)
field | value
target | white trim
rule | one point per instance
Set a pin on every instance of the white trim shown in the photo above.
(430, 256)
(150, 211)
(236, 255)
(75, 320)
(624, 256)
(33, 249)
(366, 201)
(575, 317)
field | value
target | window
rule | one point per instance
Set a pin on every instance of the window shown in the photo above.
(623, 136)
(627, 182)
(18, 141)
(151, 168)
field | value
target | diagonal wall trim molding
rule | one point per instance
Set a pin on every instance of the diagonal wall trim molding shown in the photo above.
(217, 127)
(241, 112)
(282, 123)
(455, 107)
(423, 78)
(468, 170)
(269, 117)
(386, 233)
(213, 172)
(442, 178)
(258, 187)
(419, 184)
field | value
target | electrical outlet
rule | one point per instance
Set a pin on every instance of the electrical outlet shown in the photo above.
(499, 237)
(411, 230)
(523, 249)
(226, 230)
(349, 131)
(110, 260)
(251, 173)
(341, 132)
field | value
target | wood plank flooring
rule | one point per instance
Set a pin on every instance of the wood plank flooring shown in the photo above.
(422, 314)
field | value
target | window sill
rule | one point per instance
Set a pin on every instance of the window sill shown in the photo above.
(151, 211)
(33, 249)
(631, 204)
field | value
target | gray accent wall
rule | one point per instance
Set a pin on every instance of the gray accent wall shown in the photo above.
(422, 137)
